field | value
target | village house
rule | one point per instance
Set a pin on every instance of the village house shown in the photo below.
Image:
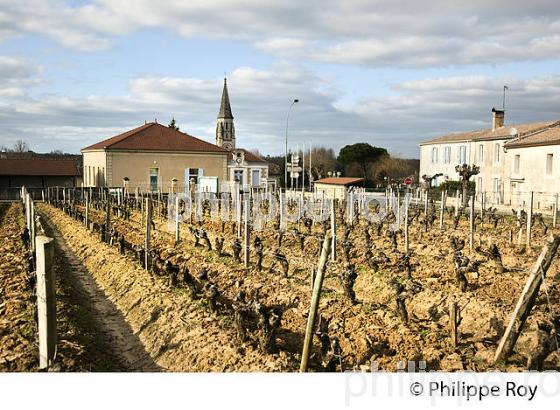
(512, 159)
(153, 157)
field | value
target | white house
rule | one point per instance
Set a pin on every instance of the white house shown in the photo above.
(496, 151)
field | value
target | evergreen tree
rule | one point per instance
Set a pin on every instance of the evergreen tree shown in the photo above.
(173, 125)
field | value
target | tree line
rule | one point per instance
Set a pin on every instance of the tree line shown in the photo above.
(374, 164)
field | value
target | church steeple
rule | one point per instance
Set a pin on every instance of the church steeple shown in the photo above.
(225, 107)
(225, 131)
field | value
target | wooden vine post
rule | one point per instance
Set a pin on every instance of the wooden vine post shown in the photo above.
(46, 301)
(177, 238)
(442, 209)
(454, 322)
(333, 231)
(108, 220)
(317, 285)
(471, 225)
(148, 232)
(87, 211)
(246, 233)
(407, 199)
(527, 299)
(555, 211)
(529, 223)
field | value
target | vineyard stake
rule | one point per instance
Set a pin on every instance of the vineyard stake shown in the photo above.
(246, 233)
(471, 225)
(177, 219)
(333, 231)
(555, 211)
(407, 198)
(426, 203)
(520, 232)
(46, 301)
(454, 322)
(441, 209)
(308, 341)
(148, 231)
(527, 299)
(87, 211)
(108, 220)
(529, 223)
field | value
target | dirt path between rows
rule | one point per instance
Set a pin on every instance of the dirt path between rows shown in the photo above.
(111, 330)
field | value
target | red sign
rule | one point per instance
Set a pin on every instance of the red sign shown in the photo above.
(408, 181)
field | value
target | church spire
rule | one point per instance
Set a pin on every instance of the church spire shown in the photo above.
(225, 130)
(225, 107)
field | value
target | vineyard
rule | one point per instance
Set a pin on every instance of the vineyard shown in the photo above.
(209, 285)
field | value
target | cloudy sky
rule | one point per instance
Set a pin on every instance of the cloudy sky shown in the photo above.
(388, 72)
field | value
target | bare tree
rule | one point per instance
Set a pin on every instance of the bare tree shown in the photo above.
(466, 172)
(21, 146)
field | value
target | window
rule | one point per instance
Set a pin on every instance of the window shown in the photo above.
(192, 176)
(480, 154)
(497, 153)
(447, 155)
(255, 177)
(238, 175)
(516, 162)
(549, 158)
(154, 176)
(434, 155)
(496, 185)
(462, 154)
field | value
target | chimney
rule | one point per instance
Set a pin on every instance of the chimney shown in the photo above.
(497, 118)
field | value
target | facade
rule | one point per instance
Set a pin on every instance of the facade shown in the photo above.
(512, 159)
(39, 173)
(335, 188)
(243, 166)
(151, 157)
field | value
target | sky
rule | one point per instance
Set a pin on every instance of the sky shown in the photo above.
(388, 72)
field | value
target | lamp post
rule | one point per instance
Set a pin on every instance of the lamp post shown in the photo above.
(286, 150)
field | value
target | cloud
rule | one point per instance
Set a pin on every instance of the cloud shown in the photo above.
(414, 110)
(16, 75)
(379, 33)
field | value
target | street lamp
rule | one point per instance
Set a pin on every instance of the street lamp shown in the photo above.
(286, 150)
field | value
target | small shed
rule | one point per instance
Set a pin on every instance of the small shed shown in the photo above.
(336, 187)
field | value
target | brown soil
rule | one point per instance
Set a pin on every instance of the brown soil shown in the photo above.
(18, 347)
(181, 334)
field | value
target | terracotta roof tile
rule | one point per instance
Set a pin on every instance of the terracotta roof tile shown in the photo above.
(499, 133)
(250, 157)
(155, 137)
(43, 167)
(548, 136)
(339, 181)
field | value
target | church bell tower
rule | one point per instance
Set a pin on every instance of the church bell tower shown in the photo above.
(225, 131)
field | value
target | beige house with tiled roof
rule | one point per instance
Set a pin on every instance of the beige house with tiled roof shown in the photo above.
(151, 156)
(512, 158)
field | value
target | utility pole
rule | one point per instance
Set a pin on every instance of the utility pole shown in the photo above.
(286, 150)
